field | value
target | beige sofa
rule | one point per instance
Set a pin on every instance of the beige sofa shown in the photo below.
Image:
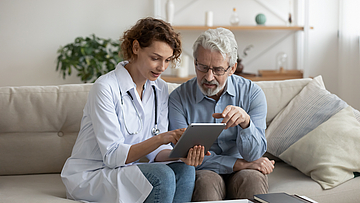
(39, 125)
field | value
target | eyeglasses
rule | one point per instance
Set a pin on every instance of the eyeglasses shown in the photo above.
(216, 70)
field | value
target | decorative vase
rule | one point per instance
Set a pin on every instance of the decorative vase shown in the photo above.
(281, 62)
(234, 18)
(209, 18)
(170, 11)
(183, 69)
(260, 19)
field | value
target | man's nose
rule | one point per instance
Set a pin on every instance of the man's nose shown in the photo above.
(209, 76)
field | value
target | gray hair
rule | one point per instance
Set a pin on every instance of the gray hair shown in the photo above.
(219, 39)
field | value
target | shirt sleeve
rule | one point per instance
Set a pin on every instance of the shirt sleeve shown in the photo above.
(106, 126)
(251, 142)
(177, 116)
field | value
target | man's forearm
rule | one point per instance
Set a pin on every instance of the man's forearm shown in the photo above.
(240, 164)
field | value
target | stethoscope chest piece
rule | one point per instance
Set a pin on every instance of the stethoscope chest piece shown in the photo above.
(155, 130)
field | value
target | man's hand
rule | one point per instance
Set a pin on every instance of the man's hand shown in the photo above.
(263, 164)
(233, 116)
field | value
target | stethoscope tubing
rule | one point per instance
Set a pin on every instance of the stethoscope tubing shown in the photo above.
(155, 130)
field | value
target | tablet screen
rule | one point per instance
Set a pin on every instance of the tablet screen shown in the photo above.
(203, 134)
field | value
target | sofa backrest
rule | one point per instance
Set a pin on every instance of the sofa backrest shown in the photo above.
(39, 124)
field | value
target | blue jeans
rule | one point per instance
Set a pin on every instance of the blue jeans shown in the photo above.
(173, 182)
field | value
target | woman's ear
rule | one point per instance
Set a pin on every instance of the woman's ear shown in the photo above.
(135, 47)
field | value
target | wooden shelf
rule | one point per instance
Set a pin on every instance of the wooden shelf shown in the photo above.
(174, 79)
(245, 27)
(273, 75)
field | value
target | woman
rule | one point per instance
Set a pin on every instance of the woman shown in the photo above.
(126, 118)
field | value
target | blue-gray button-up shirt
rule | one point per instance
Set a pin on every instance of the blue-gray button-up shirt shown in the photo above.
(187, 104)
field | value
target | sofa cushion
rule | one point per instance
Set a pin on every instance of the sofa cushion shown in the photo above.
(39, 126)
(286, 178)
(330, 153)
(307, 110)
(280, 93)
(42, 188)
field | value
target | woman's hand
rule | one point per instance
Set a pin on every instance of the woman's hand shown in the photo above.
(195, 156)
(171, 136)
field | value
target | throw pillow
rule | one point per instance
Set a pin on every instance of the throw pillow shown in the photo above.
(330, 153)
(306, 111)
(280, 93)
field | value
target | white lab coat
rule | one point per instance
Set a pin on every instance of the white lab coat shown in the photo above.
(96, 170)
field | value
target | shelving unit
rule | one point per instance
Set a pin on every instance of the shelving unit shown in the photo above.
(300, 13)
(261, 75)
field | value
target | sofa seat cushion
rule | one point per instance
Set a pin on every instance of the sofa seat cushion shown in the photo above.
(41, 188)
(286, 178)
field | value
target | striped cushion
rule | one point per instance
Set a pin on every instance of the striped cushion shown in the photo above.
(310, 108)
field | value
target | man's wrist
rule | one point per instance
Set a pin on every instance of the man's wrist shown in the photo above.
(240, 164)
(245, 124)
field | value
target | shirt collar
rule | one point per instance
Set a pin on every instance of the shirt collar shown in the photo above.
(229, 89)
(125, 80)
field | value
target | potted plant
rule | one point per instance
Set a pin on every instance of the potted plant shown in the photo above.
(91, 57)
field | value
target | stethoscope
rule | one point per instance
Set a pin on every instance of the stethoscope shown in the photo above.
(155, 130)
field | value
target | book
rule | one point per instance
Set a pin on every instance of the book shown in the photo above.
(278, 198)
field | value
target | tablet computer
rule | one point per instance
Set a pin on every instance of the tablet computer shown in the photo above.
(203, 134)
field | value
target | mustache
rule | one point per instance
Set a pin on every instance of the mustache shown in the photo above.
(212, 82)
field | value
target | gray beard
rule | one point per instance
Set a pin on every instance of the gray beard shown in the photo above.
(210, 92)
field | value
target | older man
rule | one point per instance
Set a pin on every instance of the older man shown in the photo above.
(235, 169)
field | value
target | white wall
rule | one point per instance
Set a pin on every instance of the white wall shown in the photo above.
(323, 42)
(32, 31)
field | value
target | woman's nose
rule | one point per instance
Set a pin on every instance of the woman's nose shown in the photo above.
(163, 66)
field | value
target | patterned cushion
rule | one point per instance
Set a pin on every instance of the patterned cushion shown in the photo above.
(329, 154)
(307, 110)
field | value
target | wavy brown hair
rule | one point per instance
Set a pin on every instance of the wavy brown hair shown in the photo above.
(147, 30)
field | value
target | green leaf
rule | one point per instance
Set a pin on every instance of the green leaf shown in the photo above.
(90, 56)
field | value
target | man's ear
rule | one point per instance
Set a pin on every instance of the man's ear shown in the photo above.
(232, 69)
(135, 47)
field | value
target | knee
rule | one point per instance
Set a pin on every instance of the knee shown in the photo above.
(160, 174)
(251, 175)
(165, 175)
(246, 183)
(208, 186)
(207, 178)
(251, 178)
(183, 170)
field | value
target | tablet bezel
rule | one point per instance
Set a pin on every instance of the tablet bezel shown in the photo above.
(203, 134)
